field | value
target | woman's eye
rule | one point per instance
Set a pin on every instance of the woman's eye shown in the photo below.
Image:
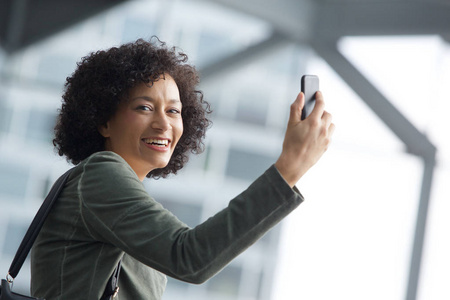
(144, 108)
(174, 111)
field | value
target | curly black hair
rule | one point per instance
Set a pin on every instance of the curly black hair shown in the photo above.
(102, 80)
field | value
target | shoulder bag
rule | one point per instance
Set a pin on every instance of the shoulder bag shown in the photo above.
(111, 288)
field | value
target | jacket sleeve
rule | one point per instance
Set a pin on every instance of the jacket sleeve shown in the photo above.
(117, 209)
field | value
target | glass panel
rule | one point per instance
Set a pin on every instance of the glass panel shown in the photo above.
(56, 68)
(135, 28)
(13, 179)
(40, 125)
(213, 47)
(5, 116)
(252, 108)
(188, 213)
(247, 165)
(226, 281)
(13, 237)
(179, 286)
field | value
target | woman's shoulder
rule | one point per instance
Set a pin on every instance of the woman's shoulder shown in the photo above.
(105, 174)
(105, 156)
(105, 164)
(104, 159)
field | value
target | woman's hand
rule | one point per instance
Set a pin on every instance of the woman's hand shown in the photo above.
(305, 140)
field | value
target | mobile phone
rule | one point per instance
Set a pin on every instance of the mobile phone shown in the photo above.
(309, 87)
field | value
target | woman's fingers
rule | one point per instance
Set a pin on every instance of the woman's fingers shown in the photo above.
(319, 106)
(296, 108)
(305, 141)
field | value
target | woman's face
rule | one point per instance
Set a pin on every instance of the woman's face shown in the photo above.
(146, 128)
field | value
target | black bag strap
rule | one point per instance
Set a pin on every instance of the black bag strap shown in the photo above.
(111, 288)
(36, 225)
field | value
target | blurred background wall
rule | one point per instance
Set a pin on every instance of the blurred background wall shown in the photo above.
(374, 224)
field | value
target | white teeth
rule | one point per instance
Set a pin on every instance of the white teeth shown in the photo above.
(156, 142)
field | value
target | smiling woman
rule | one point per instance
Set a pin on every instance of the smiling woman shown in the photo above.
(104, 79)
(147, 127)
(133, 112)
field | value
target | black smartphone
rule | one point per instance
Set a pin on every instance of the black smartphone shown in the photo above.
(309, 87)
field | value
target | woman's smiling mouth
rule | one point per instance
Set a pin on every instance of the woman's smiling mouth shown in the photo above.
(157, 144)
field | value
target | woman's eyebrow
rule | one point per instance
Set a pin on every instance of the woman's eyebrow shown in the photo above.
(150, 99)
(146, 98)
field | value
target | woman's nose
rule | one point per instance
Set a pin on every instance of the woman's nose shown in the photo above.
(160, 121)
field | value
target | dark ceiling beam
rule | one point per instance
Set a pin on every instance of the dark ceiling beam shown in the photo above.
(305, 20)
(420, 229)
(381, 18)
(12, 24)
(24, 22)
(291, 17)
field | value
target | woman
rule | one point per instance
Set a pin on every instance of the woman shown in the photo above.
(133, 112)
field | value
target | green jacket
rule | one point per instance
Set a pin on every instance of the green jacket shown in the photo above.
(104, 213)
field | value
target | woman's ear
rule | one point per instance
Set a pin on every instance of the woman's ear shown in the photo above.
(104, 130)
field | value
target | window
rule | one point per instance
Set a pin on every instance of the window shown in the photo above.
(247, 165)
(5, 116)
(137, 28)
(40, 125)
(13, 180)
(252, 107)
(188, 213)
(227, 281)
(55, 68)
(14, 235)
